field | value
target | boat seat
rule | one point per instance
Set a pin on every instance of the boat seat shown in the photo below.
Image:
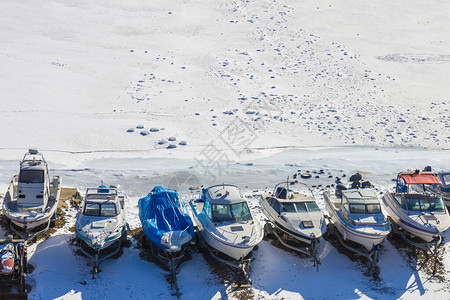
(220, 217)
(281, 192)
(413, 203)
(402, 189)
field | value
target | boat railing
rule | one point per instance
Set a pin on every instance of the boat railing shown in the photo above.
(256, 232)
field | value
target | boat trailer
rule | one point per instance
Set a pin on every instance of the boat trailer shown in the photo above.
(373, 256)
(427, 247)
(169, 260)
(284, 238)
(243, 265)
(96, 254)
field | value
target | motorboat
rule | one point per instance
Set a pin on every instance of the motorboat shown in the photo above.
(13, 267)
(359, 220)
(226, 225)
(294, 216)
(32, 198)
(443, 188)
(415, 211)
(167, 225)
(101, 226)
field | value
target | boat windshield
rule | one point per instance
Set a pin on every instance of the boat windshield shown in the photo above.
(103, 210)
(299, 206)
(231, 212)
(365, 208)
(425, 204)
(446, 179)
(31, 176)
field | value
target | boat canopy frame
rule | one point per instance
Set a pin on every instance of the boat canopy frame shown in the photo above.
(415, 178)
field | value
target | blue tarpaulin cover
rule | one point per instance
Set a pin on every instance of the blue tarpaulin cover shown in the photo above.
(163, 211)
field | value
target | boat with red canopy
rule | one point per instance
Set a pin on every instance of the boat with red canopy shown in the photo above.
(415, 211)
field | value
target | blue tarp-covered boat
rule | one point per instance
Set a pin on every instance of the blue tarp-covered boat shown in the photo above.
(166, 223)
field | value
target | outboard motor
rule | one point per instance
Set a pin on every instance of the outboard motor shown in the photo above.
(427, 169)
(356, 184)
(338, 191)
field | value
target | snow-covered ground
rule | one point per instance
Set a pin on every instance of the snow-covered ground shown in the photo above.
(257, 89)
(80, 73)
(276, 273)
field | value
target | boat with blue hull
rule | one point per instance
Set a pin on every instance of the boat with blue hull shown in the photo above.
(167, 225)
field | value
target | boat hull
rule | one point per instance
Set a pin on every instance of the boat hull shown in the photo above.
(27, 228)
(108, 241)
(210, 235)
(233, 251)
(288, 229)
(399, 217)
(367, 240)
(22, 218)
(446, 199)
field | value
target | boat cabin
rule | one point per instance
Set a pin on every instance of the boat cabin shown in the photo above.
(360, 201)
(285, 200)
(225, 203)
(33, 180)
(412, 193)
(102, 202)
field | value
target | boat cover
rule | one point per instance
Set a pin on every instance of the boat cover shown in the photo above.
(420, 178)
(165, 219)
(6, 258)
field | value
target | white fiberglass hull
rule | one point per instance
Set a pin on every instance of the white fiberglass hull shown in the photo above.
(360, 235)
(91, 242)
(224, 241)
(416, 224)
(234, 251)
(27, 217)
(30, 223)
(302, 236)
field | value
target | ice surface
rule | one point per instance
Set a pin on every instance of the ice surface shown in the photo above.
(342, 86)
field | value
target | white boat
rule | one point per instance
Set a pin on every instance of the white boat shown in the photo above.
(443, 188)
(417, 210)
(357, 216)
(101, 225)
(31, 200)
(225, 222)
(294, 216)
